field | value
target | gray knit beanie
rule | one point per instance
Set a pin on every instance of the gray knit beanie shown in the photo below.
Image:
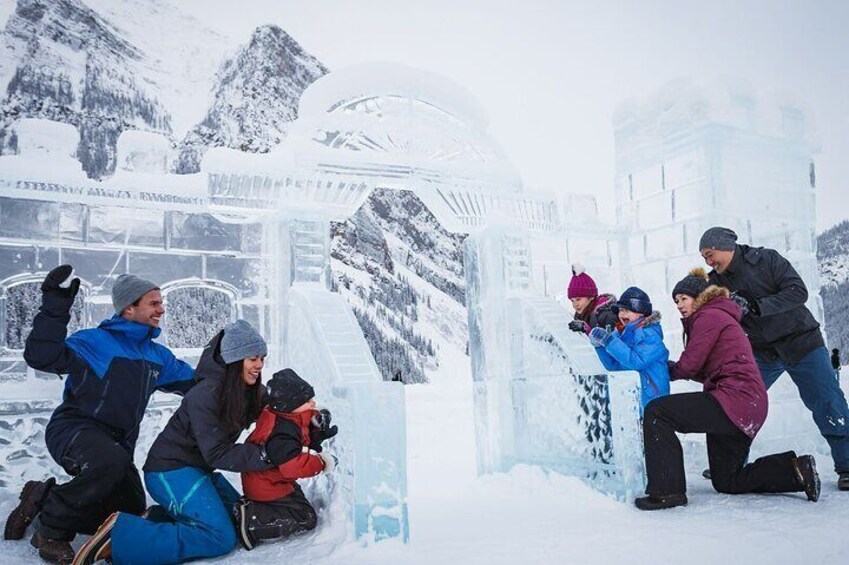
(241, 341)
(129, 288)
(720, 238)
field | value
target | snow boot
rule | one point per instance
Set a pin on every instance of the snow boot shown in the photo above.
(99, 546)
(53, 550)
(843, 481)
(660, 502)
(32, 497)
(243, 520)
(807, 477)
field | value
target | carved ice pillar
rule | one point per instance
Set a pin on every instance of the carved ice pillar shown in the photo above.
(498, 270)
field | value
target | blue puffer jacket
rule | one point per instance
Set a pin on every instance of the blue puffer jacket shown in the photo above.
(112, 372)
(639, 347)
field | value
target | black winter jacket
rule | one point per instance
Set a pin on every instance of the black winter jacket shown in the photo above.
(784, 327)
(196, 435)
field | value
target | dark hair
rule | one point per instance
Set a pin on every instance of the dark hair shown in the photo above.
(233, 394)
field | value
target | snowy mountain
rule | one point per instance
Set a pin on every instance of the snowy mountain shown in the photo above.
(256, 96)
(96, 65)
(833, 260)
(403, 275)
(90, 65)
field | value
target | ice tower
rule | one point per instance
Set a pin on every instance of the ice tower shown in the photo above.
(688, 158)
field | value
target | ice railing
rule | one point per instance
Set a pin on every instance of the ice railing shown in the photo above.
(326, 346)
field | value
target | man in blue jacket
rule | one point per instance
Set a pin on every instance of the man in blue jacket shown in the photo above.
(784, 334)
(112, 371)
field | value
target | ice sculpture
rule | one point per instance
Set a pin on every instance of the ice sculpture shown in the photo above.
(541, 395)
(690, 157)
(226, 243)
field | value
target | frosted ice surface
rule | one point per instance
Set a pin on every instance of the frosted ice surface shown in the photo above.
(541, 395)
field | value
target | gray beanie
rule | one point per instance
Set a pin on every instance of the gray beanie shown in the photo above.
(241, 341)
(720, 238)
(129, 288)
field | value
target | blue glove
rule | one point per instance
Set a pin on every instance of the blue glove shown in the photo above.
(600, 337)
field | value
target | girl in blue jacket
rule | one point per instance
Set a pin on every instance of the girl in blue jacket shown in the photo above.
(637, 346)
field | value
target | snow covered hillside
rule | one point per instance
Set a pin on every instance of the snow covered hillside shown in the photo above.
(833, 260)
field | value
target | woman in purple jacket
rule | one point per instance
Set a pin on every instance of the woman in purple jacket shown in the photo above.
(730, 410)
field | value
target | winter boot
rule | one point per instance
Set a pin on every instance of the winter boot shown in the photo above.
(807, 477)
(99, 546)
(660, 502)
(53, 550)
(243, 520)
(32, 497)
(843, 481)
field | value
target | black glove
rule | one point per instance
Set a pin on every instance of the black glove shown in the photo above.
(578, 326)
(754, 309)
(55, 299)
(320, 429)
(742, 302)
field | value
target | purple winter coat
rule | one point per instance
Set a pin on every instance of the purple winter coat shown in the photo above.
(719, 355)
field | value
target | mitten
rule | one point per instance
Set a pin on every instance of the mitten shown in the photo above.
(330, 461)
(59, 290)
(579, 326)
(320, 429)
(600, 337)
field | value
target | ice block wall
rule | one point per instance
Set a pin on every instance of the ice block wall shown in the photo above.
(691, 157)
(541, 395)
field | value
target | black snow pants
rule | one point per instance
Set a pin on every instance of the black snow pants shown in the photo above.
(104, 480)
(728, 449)
(281, 518)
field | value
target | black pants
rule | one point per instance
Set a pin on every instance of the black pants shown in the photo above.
(281, 518)
(105, 480)
(728, 449)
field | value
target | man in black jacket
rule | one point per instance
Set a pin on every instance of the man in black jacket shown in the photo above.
(112, 371)
(783, 332)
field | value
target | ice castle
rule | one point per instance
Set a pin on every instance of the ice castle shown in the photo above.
(249, 237)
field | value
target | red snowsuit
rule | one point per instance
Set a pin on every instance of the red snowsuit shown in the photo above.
(280, 431)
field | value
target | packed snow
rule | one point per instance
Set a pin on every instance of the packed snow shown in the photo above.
(527, 515)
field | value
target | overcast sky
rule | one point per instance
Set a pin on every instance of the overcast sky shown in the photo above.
(551, 73)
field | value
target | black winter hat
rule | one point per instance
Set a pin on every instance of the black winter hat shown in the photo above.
(287, 391)
(692, 285)
(635, 300)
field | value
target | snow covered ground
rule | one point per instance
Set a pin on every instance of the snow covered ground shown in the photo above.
(531, 516)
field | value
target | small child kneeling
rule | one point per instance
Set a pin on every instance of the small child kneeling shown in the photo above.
(292, 430)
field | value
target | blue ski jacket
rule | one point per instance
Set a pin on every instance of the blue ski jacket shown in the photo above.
(639, 347)
(112, 372)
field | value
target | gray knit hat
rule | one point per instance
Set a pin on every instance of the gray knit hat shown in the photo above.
(692, 285)
(241, 341)
(129, 288)
(720, 238)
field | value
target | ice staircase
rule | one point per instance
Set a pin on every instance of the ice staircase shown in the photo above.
(310, 248)
(326, 346)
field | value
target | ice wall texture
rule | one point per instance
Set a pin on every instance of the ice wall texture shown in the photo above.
(691, 157)
(326, 346)
(541, 395)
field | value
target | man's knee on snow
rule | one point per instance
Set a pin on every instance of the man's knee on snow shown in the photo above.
(309, 519)
(221, 540)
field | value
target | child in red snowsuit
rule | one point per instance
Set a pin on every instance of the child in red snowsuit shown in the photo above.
(291, 429)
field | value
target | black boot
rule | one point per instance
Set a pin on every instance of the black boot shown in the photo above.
(53, 550)
(843, 481)
(243, 523)
(807, 477)
(32, 496)
(706, 474)
(661, 502)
